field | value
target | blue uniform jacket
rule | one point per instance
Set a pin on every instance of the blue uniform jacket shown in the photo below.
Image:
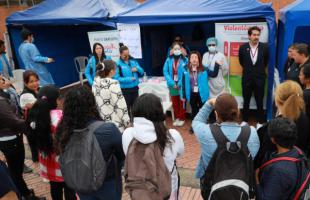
(91, 67)
(185, 85)
(7, 63)
(168, 69)
(124, 74)
(33, 60)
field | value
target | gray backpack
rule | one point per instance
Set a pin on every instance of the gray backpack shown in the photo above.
(82, 164)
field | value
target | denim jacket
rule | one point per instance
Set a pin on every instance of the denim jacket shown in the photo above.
(207, 142)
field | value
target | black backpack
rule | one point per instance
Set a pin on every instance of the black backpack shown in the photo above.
(302, 189)
(82, 164)
(230, 173)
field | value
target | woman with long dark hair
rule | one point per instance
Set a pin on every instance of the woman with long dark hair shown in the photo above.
(148, 127)
(110, 100)
(304, 78)
(80, 110)
(98, 56)
(44, 118)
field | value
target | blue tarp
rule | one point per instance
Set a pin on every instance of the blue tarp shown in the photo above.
(152, 12)
(294, 26)
(180, 11)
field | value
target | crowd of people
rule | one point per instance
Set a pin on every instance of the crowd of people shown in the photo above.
(88, 140)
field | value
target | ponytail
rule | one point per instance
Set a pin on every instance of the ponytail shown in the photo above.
(293, 107)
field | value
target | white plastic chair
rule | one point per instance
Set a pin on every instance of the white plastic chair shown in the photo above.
(18, 81)
(80, 65)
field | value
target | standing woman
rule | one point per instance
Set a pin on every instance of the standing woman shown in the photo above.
(98, 57)
(44, 118)
(27, 98)
(149, 127)
(304, 77)
(210, 60)
(194, 82)
(172, 71)
(127, 73)
(289, 63)
(109, 98)
(80, 111)
(301, 57)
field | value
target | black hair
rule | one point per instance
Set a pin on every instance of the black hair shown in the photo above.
(122, 48)
(104, 69)
(149, 106)
(27, 74)
(25, 33)
(302, 48)
(1, 44)
(103, 56)
(283, 131)
(306, 70)
(253, 28)
(78, 110)
(40, 115)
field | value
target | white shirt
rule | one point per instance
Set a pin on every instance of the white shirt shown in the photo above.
(254, 53)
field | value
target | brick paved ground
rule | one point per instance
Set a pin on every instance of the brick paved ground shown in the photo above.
(188, 161)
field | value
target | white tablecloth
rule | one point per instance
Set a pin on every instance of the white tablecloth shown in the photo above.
(157, 83)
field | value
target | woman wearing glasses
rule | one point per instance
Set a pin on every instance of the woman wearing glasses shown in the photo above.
(210, 60)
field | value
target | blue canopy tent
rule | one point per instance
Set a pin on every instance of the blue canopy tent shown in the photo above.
(60, 30)
(294, 26)
(163, 12)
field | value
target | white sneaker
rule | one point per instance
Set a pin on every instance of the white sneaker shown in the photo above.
(176, 122)
(181, 123)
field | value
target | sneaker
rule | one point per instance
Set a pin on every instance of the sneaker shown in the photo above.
(27, 169)
(176, 122)
(181, 123)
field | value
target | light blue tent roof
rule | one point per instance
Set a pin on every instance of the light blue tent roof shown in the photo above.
(293, 16)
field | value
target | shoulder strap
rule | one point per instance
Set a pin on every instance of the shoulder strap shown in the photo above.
(277, 160)
(218, 134)
(244, 135)
(93, 126)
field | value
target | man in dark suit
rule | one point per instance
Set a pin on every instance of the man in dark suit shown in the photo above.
(253, 57)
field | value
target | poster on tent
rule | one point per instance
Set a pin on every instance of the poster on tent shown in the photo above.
(130, 36)
(109, 41)
(230, 37)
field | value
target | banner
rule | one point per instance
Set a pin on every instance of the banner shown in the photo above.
(130, 36)
(230, 37)
(108, 39)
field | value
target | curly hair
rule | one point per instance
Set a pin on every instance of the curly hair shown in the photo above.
(79, 109)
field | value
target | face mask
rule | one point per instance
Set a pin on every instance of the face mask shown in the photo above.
(177, 52)
(212, 49)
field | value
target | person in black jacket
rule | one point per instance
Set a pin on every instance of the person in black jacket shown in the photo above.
(253, 58)
(11, 144)
(278, 180)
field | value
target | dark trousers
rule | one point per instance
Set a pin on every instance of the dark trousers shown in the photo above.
(60, 188)
(130, 95)
(196, 103)
(248, 88)
(14, 153)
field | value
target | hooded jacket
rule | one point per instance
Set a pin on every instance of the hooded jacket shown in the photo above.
(143, 130)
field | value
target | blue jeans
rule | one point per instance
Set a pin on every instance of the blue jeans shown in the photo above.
(108, 191)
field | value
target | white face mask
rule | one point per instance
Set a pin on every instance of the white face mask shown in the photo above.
(177, 52)
(212, 49)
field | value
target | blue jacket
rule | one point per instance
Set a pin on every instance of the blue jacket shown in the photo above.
(208, 144)
(278, 180)
(124, 74)
(33, 60)
(168, 69)
(185, 85)
(7, 63)
(91, 67)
